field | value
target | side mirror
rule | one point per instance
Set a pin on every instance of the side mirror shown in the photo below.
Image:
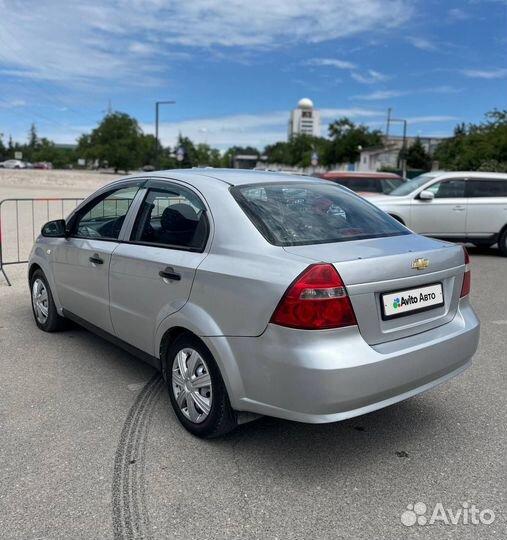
(426, 195)
(54, 229)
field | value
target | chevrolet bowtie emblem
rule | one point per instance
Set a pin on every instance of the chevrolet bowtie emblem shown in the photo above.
(420, 264)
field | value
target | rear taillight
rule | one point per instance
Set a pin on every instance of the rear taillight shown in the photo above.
(316, 300)
(465, 289)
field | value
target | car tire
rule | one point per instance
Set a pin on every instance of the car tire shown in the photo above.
(204, 411)
(43, 305)
(502, 242)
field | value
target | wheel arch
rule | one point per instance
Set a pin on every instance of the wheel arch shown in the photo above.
(213, 339)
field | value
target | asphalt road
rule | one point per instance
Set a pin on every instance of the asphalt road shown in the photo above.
(90, 448)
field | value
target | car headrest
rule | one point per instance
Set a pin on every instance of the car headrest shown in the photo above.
(172, 220)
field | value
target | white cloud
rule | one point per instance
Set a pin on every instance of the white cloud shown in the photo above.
(248, 129)
(333, 62)
(495, 73)
(422, 43)
(371, 77)
(431, 119)
(390, 94)
(457, 14)
(381, 95)
(367, 77)
(67, 41)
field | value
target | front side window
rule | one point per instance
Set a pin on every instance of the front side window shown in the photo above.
(103, 218)
(292, 214)
(487, 188)
(172, 217)
(448, 189)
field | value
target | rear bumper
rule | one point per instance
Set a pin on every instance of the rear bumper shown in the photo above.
(327, 376)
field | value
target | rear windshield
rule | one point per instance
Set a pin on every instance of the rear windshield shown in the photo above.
(295, 214)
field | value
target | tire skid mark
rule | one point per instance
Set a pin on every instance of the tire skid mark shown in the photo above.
(129, 514)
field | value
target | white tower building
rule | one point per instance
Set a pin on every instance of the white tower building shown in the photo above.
(305, 119)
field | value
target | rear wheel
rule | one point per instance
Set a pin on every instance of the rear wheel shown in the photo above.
(502, 242)
(196, 389)
(43, 306)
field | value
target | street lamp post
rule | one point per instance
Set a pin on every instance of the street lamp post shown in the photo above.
(157, 146)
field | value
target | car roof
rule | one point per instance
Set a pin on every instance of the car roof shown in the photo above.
(225, 177)
(466, 174)
(359, 174)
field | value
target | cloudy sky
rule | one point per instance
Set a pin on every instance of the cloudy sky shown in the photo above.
(236, 67)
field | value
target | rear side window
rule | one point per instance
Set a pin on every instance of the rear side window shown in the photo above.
(172, 217)
(293, 214)
(487, 188)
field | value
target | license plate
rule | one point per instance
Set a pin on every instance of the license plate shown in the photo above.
(410, 301)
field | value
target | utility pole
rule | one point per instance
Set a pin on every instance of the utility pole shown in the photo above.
(403, 161)
(157, 146)
(388, 122)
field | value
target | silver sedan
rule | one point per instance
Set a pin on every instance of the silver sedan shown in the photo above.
(258, 294)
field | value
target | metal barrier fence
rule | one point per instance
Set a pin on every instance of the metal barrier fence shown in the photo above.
(20, 223)
(21, 220)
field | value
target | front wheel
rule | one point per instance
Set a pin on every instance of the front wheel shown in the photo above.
(196, 389)
(43, 306)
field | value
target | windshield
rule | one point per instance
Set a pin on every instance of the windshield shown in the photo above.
(412, 185)
(294, 214)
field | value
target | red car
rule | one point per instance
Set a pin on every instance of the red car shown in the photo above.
(366, 183)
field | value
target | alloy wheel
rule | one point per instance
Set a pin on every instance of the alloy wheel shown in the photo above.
(40, 300)
(191, 385)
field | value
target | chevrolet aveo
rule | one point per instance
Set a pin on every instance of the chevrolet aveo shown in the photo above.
(255, 293)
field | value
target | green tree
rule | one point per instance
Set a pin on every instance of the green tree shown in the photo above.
(117, 140)
(228, 156)
(297, 152)
(3, 149)
(417, 157)
(476, 146)
(33, 139)
(46, 150)
(206, 156)
(10, 147)
(148, 150)
(190, 158)
(347, 139)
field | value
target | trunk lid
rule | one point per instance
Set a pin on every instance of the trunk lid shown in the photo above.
(376, 267)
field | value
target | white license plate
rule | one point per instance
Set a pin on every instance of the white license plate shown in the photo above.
(400, 303)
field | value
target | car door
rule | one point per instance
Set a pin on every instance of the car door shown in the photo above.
(81, 261)
(152, 273)
(487, 207)
(445, 214)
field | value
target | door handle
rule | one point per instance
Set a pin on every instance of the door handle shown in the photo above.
(459, 208)
(170, 274)
(96, 259)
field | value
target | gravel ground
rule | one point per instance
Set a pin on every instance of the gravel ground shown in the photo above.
(90, 448)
